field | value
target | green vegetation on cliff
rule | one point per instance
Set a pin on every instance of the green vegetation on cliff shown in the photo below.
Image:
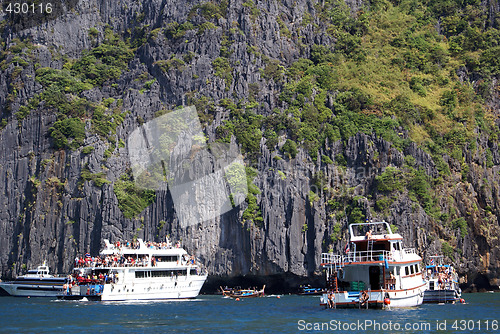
(131, 199)
(62, 92)
(390, 73)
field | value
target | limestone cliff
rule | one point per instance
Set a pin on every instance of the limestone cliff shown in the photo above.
(59, 198)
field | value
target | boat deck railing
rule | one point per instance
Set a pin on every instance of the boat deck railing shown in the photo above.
(338, 261)
(331, 259)
(364, 256)
(368, 256)
(140, 244)
(158, 264)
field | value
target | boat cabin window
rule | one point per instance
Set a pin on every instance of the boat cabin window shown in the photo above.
(379, 246)
(193, 272)
(167, 258)
(141, 274)
(412, 269)
(376, 229)
(363, 246)
(155, 274)
(160, 273)
(407, 271)
(397, 246)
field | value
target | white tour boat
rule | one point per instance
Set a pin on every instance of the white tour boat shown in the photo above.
(36, 283)
(140, 272)
(442, 282)
(374, 271)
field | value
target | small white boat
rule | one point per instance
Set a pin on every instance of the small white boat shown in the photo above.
(243, 293)
(36, 283)
(375, 271)
(307, 290)
(442, 282)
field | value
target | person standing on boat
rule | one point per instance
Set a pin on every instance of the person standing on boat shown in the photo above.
(441, 281)
(392, 284)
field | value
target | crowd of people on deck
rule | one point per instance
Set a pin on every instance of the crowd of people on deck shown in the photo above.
(101, 278)
(150, 244)
(124, 260)
(77, 278)
(445, 275)
(112, 261)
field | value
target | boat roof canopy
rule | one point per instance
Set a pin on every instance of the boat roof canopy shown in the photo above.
(441, 265)
(379, 231)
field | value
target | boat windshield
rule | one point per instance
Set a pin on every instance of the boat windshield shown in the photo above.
(361, 230)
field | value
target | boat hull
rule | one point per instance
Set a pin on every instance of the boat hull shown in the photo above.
(311, 292)
(318, 293)
(376, 299)
(441, 296)
(250, 295)
(167, 288)
(244, 293)
(31, 290)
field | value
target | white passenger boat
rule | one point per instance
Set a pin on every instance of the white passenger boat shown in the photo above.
(140, 272)
(36, 283)
(374, 271)
(442, 282)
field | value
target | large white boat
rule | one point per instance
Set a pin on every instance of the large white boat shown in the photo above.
(36, 283)
(138, 272)
(375, 271)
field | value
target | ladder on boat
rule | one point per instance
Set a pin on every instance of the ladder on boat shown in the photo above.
(333, 264)
(333, 283)
(370, 249)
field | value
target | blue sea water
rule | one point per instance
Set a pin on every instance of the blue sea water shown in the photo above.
(215, 314)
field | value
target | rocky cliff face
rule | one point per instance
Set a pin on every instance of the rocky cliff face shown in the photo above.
(56, 203)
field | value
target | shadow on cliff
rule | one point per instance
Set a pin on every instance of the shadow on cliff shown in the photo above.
(480, 283)
(283, 283)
